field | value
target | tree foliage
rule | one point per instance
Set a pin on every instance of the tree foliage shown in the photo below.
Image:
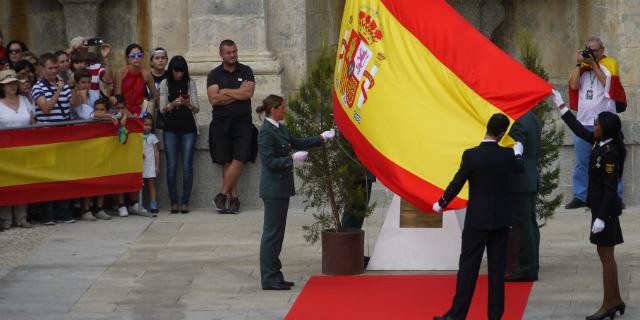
(548, 167)
(331, 174)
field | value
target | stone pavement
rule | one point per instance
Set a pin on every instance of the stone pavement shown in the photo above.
(205, 266)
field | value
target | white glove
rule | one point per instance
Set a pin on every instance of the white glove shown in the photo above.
(557, 98)
(518, 148)
(300, 156)
(328, 135)
(436, 208)
(598, 226)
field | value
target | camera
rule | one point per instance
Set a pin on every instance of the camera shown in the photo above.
(93, 42)
(587, 53)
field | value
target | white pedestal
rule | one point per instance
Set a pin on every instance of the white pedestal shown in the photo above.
(417, 248)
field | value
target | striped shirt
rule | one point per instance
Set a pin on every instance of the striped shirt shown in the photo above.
(97, 72)
(61, 111)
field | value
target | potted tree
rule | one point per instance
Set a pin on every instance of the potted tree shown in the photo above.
(331, 177)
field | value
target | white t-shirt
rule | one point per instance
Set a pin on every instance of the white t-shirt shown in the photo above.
(149, 162)
(10, 118)
(83, 111)
(594, 97)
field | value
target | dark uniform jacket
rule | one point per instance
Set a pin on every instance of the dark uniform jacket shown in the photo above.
(275, 145)
(487, 167)
(527, 130)
(604, 172)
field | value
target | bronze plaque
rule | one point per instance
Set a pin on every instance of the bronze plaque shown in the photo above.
(412, 217)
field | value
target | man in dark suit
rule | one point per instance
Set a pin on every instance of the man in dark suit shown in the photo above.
(524, 191)
(487, 167)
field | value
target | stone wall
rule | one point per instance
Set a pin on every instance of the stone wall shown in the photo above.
(280, 38)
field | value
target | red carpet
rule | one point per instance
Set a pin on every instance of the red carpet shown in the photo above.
(396, 297)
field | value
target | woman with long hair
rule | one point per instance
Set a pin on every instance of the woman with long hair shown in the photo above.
(606, 164)
(276, 185)
(132, 80)
(179, 104)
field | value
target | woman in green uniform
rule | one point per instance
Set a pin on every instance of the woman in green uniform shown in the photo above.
(276, 185)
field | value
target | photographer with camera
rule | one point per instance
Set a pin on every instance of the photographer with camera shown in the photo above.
(99, 70)
(594, 87)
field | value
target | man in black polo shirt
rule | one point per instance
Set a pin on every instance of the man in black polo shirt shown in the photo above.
(230, 87)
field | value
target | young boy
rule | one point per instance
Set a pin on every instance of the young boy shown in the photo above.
(151, 164)
(82, 98)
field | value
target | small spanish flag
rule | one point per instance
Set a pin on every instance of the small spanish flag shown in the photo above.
(415, 85)
(44, 164)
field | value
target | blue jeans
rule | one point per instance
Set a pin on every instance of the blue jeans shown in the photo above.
(187, 142)
(581, 173)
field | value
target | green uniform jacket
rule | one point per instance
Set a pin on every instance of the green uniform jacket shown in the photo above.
(275, 145)
(527, 130)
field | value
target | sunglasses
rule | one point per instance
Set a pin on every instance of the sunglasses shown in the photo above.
(136, 55)
(14, 51)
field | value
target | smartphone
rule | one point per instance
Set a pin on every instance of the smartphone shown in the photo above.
(185, 95)
(93, 42)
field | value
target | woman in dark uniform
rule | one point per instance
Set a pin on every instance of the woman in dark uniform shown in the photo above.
(606, 164)
(276, 185)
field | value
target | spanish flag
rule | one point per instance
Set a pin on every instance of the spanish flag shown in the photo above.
(415, 85)
(44, 164)
(613, 87)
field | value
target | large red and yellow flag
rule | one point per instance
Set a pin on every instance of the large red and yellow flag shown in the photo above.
(43, 164)
(415, 85)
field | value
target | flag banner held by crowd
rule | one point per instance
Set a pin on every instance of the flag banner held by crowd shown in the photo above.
(44, 164)
(415, 85)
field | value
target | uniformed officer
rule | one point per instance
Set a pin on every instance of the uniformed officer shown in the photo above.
(606, 164)
(276, 185)
(523, 194)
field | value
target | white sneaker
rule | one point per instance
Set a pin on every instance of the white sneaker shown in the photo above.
(122, 211)
(87, 216)
(137, 209)
(102, 215)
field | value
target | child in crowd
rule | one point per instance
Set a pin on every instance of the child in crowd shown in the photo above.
(151, 166)
(134, 207)
(78, 62)
(82, 98)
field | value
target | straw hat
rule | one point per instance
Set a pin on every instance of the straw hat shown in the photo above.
(8, 76)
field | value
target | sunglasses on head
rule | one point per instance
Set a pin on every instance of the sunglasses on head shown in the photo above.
(136, 55)
(14, 51)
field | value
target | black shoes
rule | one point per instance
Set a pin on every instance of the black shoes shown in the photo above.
(279, 286)
(288, 283)
(234, 204)
(575, 204)
(519, 278)
(220, 202)
(611, 313)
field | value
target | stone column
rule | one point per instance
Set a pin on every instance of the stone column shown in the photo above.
(80, 17)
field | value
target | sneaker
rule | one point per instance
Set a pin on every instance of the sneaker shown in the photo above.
(234, 205)
(49, 223)
(575, 204)
(137, 208)
(102, 215)
(153, 207)
(147, 214)
(88, 216)
(68, 220)
(220, 202)
(122, 211)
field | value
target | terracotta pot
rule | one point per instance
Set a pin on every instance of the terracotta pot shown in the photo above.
(342, 252)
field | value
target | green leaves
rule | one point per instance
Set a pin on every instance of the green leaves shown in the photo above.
(331, 176)
(552, 134)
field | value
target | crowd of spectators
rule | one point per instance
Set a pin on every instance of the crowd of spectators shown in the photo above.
(78, 83)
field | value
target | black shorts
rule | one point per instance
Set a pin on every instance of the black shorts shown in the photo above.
(230, 138)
